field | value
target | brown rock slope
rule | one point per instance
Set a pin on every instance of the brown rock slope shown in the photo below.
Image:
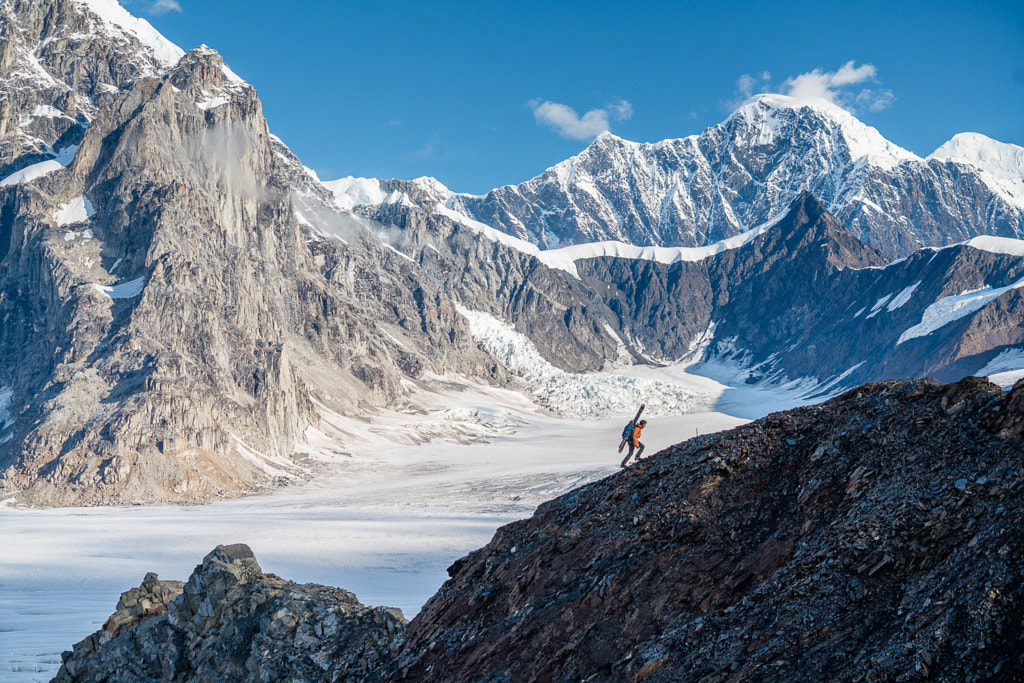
(874, 537)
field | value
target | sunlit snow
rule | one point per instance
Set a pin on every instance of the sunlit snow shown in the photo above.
(951, 308)
(77, 210)
(351, 192)
(212, 103)
(166, 52)
(863, 141)
(31, 172)
(1006, 368)
(1002, 163)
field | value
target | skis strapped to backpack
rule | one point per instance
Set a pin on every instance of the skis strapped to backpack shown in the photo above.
(628, 431)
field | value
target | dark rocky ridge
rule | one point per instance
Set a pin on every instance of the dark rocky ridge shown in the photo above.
(877, 536)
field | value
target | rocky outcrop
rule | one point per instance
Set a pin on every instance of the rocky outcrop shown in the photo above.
(62, 60)
(877, 536)
(232, 622)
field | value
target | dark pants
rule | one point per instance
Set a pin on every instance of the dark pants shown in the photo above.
(630, 453)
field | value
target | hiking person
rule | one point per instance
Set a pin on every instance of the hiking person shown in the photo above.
(634, 443)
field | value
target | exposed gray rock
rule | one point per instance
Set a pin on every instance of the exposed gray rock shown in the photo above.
(61, 61)
(232, 622)
(191, 375)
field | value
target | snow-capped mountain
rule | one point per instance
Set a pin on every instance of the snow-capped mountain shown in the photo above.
(743, 172)
(62, 60)
(181, 300)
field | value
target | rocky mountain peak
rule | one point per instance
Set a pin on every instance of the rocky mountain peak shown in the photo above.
(807, 225)
(744, 172)
(63, 60)
(203, 68)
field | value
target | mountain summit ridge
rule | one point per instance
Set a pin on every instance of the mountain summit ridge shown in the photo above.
(741, 173)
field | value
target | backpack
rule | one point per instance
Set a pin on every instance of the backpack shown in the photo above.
(628, 431)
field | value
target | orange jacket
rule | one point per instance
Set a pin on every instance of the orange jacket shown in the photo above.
(635, 437)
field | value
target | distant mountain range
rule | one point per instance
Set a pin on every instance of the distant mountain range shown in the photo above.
(741, 173)
(180, 299)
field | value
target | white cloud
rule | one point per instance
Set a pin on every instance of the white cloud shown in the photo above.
(747, 85)
(569, 124)
(834, 86)
(875, 100)
(839, 87)
(164, 6)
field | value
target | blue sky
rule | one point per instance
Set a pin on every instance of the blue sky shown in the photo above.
(483, 94)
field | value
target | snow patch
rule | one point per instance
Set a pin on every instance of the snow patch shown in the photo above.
(271, 465)
(6, 393)
(996, 245)
(952, 308)
(903, 297)
(32, 172)
(212, 103)
(877, 308)
(350, 192)
(590, 396)
(47, 111)
(125, 290)
(64, 157)
(1005, 369)
(78, 210)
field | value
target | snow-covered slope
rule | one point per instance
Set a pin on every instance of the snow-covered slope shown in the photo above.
(119, 22)
(701, 189)
(1002, 163)
(63, 60)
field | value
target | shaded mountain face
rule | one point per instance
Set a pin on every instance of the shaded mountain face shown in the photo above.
(741, 173)
(808, 299)
(875, 536)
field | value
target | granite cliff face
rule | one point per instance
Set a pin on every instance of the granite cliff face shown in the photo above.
(168, 321)
(876, 536)
(743, 172)
(62, 60)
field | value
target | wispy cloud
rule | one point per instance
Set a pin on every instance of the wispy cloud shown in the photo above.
(747, 85)
(842, 87)
(567, 123)
(163, 6)
(427, 151)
